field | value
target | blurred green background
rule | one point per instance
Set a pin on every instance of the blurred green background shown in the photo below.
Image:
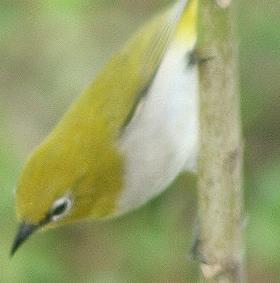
(49, 51)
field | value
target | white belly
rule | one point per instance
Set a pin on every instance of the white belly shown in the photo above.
(161, 139)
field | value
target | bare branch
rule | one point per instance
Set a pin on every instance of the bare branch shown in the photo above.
(219, 244)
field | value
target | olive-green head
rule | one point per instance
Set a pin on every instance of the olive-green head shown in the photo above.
(51, 191)
(65, 181)
(49, 181)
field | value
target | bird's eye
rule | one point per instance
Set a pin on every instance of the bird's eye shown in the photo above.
(60, 208)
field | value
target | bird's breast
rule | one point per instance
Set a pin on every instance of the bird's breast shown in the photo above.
(161, 138)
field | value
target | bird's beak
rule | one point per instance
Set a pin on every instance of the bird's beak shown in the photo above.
(24, 232)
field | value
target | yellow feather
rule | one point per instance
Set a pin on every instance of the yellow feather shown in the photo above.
(187, 28)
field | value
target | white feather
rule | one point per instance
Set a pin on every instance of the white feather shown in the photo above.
(161, 139)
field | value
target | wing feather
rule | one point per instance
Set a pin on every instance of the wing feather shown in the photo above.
(155, 53)
(125, 79)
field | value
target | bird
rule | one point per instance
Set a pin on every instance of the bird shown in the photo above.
(125, 138)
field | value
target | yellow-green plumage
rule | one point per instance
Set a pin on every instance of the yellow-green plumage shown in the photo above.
(80, 157)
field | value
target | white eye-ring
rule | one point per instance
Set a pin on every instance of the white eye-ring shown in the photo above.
(61, 207)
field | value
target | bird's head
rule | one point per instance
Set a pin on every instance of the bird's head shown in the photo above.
(62, 185)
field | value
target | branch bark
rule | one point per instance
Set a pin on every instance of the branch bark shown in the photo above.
(219, 245)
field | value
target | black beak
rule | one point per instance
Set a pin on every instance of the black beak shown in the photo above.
(24, 232)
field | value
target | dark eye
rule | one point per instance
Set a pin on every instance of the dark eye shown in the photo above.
(60, 208)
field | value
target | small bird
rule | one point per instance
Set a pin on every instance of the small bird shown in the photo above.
(126, 138)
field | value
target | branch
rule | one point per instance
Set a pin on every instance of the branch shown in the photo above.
(219, 245)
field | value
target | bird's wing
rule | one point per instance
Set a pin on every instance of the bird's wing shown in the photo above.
(125, 79)
(163, 29)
